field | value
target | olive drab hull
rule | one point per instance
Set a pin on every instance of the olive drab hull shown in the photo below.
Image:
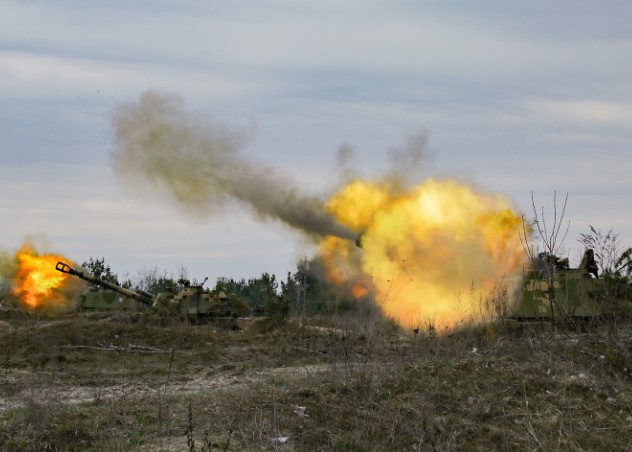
(575, 291)
(189, 301)
(196, 301)
(575, 296)
(108, 300)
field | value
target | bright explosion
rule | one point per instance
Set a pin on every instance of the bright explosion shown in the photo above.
(36, 283)
(423, 248)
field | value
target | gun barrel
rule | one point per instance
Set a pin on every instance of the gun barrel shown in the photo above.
(142, 296)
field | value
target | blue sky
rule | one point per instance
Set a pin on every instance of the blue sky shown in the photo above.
(514, 96)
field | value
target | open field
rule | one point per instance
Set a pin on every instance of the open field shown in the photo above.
(117, 382)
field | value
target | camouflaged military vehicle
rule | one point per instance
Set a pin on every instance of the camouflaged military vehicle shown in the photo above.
(576, 291)
(108, 300)
(189, 301)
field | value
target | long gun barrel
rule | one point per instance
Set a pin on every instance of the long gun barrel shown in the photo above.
(142, 296)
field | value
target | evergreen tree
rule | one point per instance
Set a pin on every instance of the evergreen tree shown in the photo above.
(99, 269)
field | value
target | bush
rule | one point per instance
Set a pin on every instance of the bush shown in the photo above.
(277, 310)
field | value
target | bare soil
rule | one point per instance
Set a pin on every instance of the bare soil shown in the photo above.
(118, 382)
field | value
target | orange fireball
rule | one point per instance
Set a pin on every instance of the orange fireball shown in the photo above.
(429, 254)
(36, 280)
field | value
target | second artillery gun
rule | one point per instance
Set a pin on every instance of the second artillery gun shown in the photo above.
(191, 301)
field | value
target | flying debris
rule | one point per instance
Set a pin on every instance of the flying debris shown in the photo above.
(423, 248)
(416, 247)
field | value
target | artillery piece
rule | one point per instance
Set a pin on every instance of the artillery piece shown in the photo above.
(192, 301)
(145, 298)
(576, 290)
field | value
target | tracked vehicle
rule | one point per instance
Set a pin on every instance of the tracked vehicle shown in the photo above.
(576, 291)
(190, 301)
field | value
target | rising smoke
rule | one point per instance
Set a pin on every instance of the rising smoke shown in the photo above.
(423, 242)
(201, 165)
(404, 163)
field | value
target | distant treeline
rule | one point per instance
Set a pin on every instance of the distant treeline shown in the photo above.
(303, 292)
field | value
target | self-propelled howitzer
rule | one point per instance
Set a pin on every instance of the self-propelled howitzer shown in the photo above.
(140, 295)
(192, 301)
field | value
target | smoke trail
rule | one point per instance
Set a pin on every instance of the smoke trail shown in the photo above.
(200, 166)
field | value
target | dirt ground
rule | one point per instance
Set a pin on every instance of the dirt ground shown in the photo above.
(115, 382)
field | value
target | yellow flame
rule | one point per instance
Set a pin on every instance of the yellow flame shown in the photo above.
(424, 248)
(37, 278)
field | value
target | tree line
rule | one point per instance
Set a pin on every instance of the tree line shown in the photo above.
(304, 291)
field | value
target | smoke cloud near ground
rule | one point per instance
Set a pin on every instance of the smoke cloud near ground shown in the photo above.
(201, 166)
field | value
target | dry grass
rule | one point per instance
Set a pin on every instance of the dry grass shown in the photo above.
(107, 383)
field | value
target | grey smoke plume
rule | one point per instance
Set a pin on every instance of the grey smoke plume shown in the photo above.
(200, 165)
(405, 162)
(403, 167)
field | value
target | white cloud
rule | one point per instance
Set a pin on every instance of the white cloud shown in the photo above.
(518, 96)
(581, 111)
(378, 37)
(37, 68)
(28, 75)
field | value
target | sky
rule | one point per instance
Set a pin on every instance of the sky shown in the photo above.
(518, 98)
